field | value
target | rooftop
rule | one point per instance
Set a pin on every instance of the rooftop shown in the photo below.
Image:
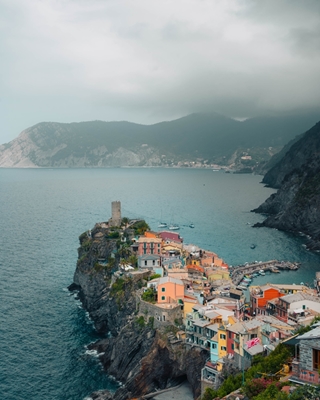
(167, 279)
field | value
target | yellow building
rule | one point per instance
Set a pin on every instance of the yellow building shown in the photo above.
(217, 274)
(222, 341)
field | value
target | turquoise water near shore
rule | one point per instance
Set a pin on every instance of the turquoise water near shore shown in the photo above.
(43, 329)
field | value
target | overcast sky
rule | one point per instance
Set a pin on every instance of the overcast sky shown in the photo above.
(151, 60)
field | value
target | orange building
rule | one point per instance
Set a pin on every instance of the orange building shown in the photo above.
(170, 290)
(259, 297)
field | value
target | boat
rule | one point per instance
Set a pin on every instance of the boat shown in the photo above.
(191, 226)
(162, 225)
(253, 246)
(174, 227)
(261, 272)
(254, 275)
(240, 287)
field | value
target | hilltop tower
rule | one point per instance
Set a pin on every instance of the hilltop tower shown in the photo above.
(116, 214)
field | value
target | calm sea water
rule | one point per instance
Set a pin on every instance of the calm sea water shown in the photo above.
(43, 329)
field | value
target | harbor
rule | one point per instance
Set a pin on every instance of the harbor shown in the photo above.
(242, 275)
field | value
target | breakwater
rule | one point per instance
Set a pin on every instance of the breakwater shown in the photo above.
(237, 273)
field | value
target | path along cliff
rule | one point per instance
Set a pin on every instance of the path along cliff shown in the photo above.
(144, 358)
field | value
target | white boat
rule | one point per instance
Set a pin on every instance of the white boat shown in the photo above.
(261, 272)
(174, 227)
(191, 226)
(162, 225)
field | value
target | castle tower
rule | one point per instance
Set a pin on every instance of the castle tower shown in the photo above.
(116, 213)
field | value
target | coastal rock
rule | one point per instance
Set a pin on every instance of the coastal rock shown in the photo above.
(142, 358)
(295, 206)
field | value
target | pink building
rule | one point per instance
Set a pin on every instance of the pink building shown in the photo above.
(170, 237)
(149, 245)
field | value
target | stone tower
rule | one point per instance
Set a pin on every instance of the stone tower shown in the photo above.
(116, 213)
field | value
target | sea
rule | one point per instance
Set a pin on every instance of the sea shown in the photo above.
(44, 330)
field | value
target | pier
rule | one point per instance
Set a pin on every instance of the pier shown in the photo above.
(238, 272)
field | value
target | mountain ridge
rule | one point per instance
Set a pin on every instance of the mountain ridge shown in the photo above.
(208, 138)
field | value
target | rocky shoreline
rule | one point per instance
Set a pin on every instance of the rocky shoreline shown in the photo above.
(142, 358)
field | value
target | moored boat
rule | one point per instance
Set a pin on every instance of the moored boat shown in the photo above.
(174, 227)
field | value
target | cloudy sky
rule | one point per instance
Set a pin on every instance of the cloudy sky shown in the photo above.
(152, 60)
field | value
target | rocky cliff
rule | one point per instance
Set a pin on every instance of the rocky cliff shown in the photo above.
(142, 358)
(296, 205)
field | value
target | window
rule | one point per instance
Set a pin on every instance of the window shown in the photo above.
(223, 348)
(146, 263)
(213, 346)
(229, 335)
(153, 262)
(163, 289)
(232, 346)
(163, 297)
(254, 335)
(316, 359)
(222, 336)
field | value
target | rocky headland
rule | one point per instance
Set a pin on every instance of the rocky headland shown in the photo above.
(144, 356)
(295, 207)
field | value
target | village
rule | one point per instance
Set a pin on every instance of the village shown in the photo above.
(217, 308)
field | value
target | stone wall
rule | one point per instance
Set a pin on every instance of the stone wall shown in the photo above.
(306, 346)
(162, 316)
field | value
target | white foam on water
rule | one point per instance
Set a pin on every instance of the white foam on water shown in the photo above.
(92, 353)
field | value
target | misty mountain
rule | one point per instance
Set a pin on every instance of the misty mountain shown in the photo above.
(208, 138)
(296, 205)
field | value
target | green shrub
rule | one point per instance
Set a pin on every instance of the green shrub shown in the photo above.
(151, 322)
(149, 295)
(140, 322)
(154, 276)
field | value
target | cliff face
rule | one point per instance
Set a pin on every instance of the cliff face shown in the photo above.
(144, 359)
(296, 205)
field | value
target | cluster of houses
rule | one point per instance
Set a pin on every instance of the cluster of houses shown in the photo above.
(194, 287)
(232, 325)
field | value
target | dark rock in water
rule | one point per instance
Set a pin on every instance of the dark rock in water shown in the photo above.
(73, 287)
(296, 205)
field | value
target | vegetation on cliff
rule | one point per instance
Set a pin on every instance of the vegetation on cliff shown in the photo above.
(296, 205)
(257, 379)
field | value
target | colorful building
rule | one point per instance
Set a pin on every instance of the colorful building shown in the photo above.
(149, 245)
(170, 290)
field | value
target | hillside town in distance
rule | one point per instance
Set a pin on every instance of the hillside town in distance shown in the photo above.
(217, 307)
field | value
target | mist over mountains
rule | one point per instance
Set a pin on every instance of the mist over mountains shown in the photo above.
(197, 138)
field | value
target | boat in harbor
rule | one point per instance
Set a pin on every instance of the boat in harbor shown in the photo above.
(174, 227)
(261, 272)
(253, 246)
(162, 225)
(240, 287)
(191, 226)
